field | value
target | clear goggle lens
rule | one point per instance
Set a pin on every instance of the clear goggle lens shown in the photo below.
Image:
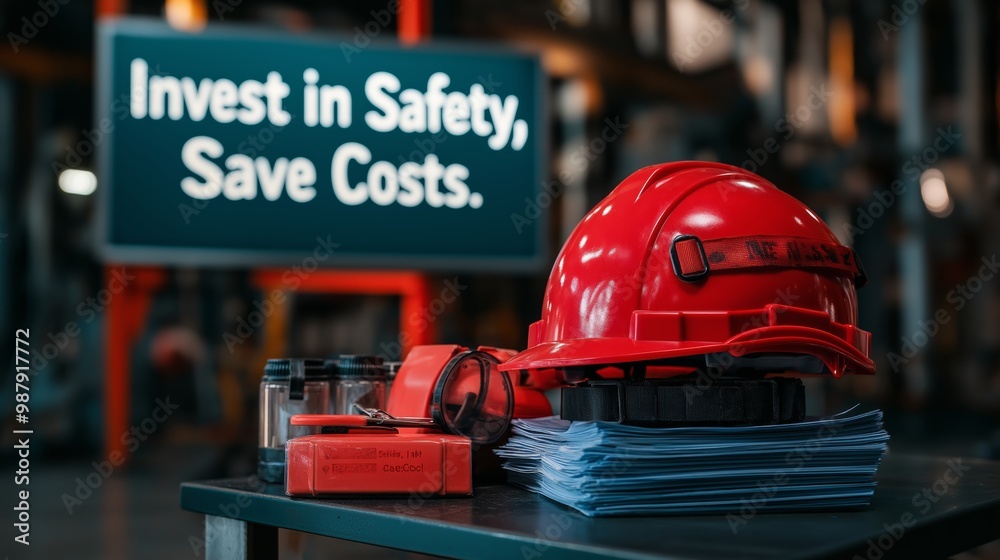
(474, 398)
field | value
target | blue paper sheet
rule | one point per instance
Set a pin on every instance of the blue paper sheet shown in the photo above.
(604, 468)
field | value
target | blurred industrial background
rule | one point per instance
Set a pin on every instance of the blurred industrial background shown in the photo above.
(883, 116)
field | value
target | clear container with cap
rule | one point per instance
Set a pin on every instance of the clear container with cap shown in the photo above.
(290, 386)
(357, 380)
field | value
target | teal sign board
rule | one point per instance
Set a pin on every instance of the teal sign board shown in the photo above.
(249, 147)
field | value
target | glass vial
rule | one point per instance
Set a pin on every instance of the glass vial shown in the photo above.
(290, 386)
(357, 380)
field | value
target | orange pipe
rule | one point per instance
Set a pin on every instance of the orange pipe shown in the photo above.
(414, 21)
(110, 8)
(116, 381)
(126, 316)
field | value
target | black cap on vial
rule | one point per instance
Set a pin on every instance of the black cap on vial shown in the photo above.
(297, 371)
(351, 366)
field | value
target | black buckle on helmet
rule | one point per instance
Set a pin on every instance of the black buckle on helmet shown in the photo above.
(688, 275)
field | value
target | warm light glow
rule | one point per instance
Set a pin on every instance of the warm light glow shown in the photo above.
(77, 181)
(186, 15)
(841, 108)
(577, 13)
(934, 191)
(699, 37)
(758, 73)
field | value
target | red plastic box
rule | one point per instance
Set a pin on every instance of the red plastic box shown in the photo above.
(379, 463)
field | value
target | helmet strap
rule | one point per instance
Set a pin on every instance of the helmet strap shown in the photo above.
(694, 258)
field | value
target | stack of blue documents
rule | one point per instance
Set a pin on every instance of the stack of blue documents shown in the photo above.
(604, 468)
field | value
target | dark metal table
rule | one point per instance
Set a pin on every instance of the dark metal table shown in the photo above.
(923, 507)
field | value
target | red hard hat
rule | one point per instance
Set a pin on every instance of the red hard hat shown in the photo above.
(690, 258)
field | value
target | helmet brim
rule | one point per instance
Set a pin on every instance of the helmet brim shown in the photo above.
(839, 356)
